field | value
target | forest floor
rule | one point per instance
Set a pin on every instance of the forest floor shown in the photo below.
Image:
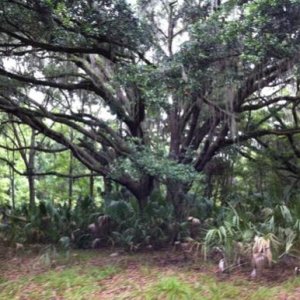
(109, 274)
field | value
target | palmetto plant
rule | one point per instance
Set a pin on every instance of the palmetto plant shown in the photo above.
(48, 222)
(279, 223)
(155, 227)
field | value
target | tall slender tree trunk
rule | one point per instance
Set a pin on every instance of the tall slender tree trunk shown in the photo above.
(91, 186)
(31, 170)
(31, 184)
(175, 189)
(107, 186)
(71, 172)
(28, 158)
(12, 185)
(70, 181)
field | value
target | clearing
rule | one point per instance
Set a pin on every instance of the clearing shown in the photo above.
(111, 274)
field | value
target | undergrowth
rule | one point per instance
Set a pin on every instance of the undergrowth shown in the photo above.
(96, 275)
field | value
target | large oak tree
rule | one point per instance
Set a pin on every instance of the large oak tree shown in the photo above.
(181, 81)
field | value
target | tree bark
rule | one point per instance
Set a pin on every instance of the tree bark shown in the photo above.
(107, 186)
(91, 186)
(30, 170)
(31, 184)
(143, 191)
(12, 185)
(176, 194)
(70, 181)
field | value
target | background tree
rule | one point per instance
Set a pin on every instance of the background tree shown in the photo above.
(178, 89)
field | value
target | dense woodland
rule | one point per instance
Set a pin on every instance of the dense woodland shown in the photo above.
(142, 124)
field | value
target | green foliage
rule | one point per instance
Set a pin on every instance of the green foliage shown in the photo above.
(154, 163)
(240, 223)
(163, 168)
(206, 288)
(128, 228)
(52, 223)
(69, 283)
(170, 288)
(169, 117)
(133, 230)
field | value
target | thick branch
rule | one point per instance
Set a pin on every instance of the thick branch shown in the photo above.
(39, 149)
(47, 173)
(265, 102)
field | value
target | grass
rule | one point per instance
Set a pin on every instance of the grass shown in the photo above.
(96, 275)
(171, 288)
(2, 280)
(207, 288)
(76, 282)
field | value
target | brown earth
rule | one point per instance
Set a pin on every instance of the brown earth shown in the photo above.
(142, 269)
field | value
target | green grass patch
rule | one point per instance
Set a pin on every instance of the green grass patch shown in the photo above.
(12, 289)
(207, 288)
(72, 283)
(292, 284)
(2, 280)
(263, 293)
(76, 277)
(169, 288)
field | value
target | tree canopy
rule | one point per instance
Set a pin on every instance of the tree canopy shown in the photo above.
(153, 91)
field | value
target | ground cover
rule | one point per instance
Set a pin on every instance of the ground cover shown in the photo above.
(112, 274)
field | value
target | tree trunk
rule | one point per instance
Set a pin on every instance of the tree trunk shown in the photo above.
(12, 190)
(31, 184)
(143, 192)
(70, 181)
(175, 190)
(11, 172)
(107, 186)
(12, 185)
(176, 194)
(30, 171)
(92, 180)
